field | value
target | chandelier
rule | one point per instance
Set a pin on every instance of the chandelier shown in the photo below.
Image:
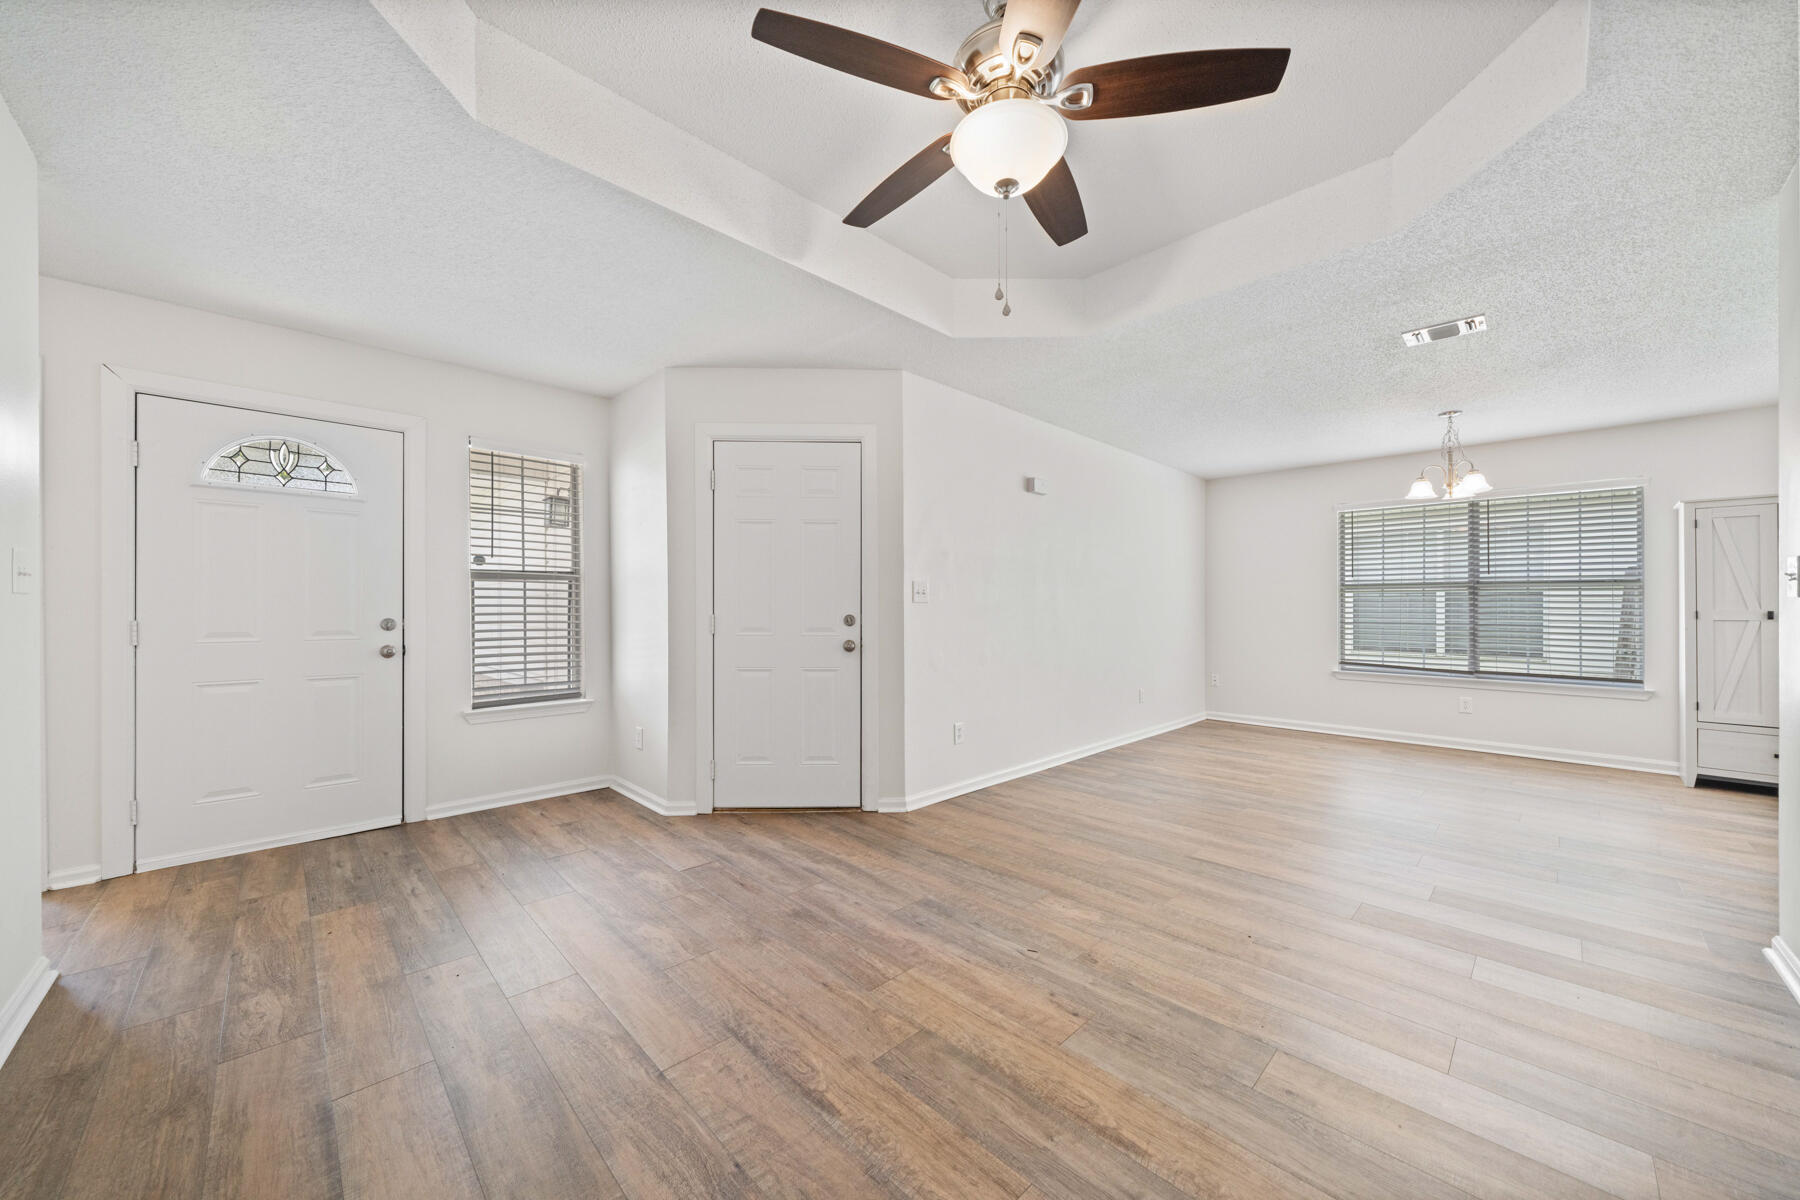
(1461, 479)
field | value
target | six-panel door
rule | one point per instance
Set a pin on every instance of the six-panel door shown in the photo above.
(268, 557)
(787, 603)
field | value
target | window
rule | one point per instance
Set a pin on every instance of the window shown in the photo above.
(1546, 586)
(275, 462)
(524, 578)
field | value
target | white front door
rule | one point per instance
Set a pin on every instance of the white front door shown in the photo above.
(787, 640)
(1735, 590)
(268, 562)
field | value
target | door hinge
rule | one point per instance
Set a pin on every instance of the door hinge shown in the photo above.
(713, 769)
(136, 452)
(713, 478)
(134, 633)
(712, 624)
(134, 810)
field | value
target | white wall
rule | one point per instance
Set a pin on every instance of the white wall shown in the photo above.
(726, 396)
(640, 589)
(84, 328)
(1047, 613)
(1272, 591)
(21, 626)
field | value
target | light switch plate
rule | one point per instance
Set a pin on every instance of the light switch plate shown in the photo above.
(921, 591)
(24, 572)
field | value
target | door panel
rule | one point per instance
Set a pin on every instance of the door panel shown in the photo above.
(787, 571)
(1735, 591)
(265, 712)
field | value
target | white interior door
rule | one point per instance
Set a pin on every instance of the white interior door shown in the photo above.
(1735, 589)
(268, 560)
(787, 632)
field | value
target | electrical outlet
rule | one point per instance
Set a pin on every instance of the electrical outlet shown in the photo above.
(1465, 704)
(639, 738)
(1215, 679)
(956, 734)
(921, 591)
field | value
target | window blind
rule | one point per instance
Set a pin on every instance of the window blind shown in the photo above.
(1546, 586)
(524, 578)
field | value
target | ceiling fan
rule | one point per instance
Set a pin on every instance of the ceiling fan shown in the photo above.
(1008, 79)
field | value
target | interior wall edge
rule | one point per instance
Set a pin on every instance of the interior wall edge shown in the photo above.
(23, 1003)
(1781, 956)
(1621, 762)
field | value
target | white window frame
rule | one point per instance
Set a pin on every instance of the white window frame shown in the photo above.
(560, 703)
(1620, 689)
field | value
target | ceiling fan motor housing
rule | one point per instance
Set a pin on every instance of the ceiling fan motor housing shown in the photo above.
(993, 75)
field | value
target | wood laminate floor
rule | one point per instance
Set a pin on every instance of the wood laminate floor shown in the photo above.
(1223, 962)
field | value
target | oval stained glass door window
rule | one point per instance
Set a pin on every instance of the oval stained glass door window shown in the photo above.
(278, 462)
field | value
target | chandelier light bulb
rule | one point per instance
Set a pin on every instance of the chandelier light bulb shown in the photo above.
(1006, 147)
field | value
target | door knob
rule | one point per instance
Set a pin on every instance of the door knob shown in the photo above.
(388, 652)
(849, 644)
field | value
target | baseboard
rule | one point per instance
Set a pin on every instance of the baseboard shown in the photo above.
(70, 877)
(1781, 956)
(647, 798)
(23, 1003)
(914, 801)
(1655, 766)
(309, 835)
(547, 791)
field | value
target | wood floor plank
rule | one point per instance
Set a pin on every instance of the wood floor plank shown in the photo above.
(273, 992)
(515, 950)
(420, 921)
(267, 872)
(665, 1020)
(786, 1145)
(51, 1080)
(147, 1134)
(522, 1136)
(337, 876)
(188, 964)
(651, 1140)
(441, 843)
(398, 1140)
(123, 923)
(907, 1143)
(371, 1028)
(1061, 1157)
(271, 1131)
(527, 874)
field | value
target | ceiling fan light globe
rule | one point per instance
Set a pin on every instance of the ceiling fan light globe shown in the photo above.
(1015, 141)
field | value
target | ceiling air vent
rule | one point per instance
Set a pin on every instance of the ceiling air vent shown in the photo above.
(1449, 329)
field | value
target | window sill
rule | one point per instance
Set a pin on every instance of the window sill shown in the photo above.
(520, 712)
(1600, 690)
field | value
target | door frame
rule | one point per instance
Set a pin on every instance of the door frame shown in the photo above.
(1687, 585)
(119, 390)
(704, 437)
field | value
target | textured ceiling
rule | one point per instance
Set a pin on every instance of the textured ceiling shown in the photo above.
(296, 163)
(1363, 77)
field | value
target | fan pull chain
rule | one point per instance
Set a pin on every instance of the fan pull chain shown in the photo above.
(1003, 267)
(999, 249)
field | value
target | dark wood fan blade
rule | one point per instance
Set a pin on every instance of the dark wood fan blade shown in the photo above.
(914, 176)
(1046, 20)
(1056, 204)
(853, 53)
(1160, 83)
